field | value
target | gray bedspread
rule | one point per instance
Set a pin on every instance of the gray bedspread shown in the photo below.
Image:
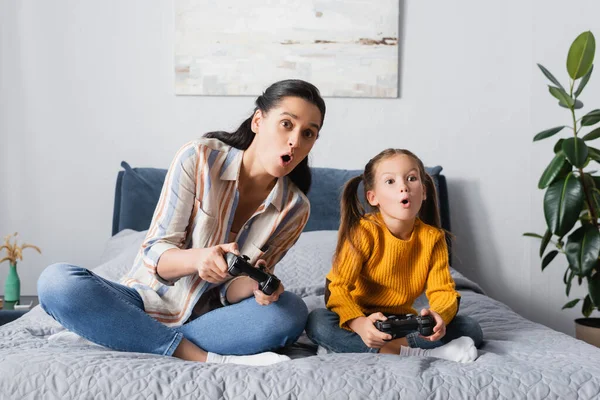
(519, 359)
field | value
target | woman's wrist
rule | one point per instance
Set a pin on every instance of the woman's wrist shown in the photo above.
(175, 263)
(190, 261)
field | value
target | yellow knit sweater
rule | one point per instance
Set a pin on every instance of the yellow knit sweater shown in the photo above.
(386, 274)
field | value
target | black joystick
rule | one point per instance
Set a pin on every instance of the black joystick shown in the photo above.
(239, 265)
(400, 325)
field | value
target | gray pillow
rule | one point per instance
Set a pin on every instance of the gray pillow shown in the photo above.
(304, 267)
(119, 254)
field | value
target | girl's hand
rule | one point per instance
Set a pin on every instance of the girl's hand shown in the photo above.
(365, 328)
(262, 298)
(439, 330)
(211, 264)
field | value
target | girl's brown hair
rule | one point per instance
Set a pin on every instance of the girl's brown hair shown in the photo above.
(352, 210)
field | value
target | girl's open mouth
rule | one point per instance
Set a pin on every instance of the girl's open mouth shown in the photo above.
(405, 203)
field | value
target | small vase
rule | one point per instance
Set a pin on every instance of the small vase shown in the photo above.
(12, 286)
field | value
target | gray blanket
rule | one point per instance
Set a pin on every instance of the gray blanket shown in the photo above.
(519, 359)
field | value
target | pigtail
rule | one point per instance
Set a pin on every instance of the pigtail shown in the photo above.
(352, 212)
(430, 211)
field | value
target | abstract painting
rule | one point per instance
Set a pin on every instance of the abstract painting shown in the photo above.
(237, 48)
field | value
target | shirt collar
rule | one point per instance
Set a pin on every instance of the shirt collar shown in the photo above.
(278, 193)
(230, 171)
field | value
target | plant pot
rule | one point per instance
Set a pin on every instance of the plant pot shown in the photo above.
(12, 286)
(588, 330)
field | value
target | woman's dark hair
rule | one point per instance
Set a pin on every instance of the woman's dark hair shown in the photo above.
(243, 136)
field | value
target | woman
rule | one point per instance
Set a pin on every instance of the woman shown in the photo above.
(241, 192)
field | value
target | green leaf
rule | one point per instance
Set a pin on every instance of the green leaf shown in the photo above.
(558, 145)
(583, 248)
(587, 307)
(547, 133)
(569, 283)
(562, 96)
(581, 55)
(591, 118)
(578, 104)
(562, 202)
(576, 151)
(594, 289)
(552, 171)
(534, 235)
(550, 76)
(594, 153)
(567, 168)
(584, 81)
(545, 241)
(548, 258)
(596, 200)
(571, 304)
(590, 182)
(595, 134)
(567, 271)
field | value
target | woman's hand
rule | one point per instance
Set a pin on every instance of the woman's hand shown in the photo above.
(210, 262)
(262, 298)
(365, 327)
(439, 330)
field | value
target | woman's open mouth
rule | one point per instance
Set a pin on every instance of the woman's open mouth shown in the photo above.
(286, 159)
(405, 203)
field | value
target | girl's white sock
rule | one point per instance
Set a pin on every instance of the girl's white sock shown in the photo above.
(266, 358)
(460, 350)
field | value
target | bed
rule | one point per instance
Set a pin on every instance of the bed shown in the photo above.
(519, 358)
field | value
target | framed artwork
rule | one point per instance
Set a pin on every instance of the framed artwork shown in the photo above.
(237, 48)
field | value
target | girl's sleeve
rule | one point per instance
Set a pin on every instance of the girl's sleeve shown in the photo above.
(443, 298)
(342, 279)
(172, 214)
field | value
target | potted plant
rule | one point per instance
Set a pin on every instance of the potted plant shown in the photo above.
(572, 197)
(12, 286)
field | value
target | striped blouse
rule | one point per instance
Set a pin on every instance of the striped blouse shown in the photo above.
(196, 210)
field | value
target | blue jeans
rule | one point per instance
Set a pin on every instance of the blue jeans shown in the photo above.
(323, 328)
(112, 315)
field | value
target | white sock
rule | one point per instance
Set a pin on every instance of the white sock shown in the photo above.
(460, 350)
(267, 358)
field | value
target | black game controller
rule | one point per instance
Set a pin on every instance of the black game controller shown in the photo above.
(400, 325)
(239, 265)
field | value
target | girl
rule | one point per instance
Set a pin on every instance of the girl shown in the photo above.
(384, 261)
(241, 192)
